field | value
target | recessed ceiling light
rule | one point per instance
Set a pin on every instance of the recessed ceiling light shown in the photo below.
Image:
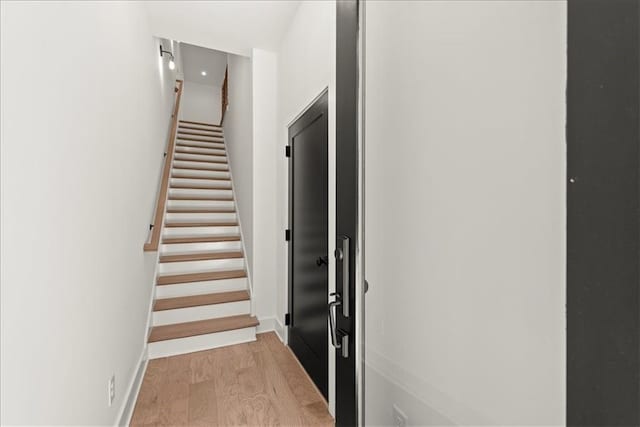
(204, 73)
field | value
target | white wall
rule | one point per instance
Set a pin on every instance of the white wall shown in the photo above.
(465, 167)
(265, 229)
(306, 66)
(229, 26)
(201, 103)
(85, 115)
(238, 134)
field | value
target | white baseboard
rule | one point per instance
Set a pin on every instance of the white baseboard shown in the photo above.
(270, 324)
(129, 403)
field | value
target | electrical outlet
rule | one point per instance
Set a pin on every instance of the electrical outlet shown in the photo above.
(400, 419)
(112, 389)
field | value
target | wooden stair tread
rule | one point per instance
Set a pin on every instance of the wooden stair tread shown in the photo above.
(201, 327)
(201, 197)
(196, 210)
(199, 128)
(172, 279)
(196, 187)
(187, 144)
(191, 132)
(200, 123)
(210, 145)
(203, 224)
(200, 239)
(201, 256)
(201, 177)
(199, 168)
(197, 300)
(218, 162)
(201, 151)
(189, 138)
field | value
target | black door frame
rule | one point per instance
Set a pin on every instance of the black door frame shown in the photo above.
(317, 107)
(603, 213)
(349, 325)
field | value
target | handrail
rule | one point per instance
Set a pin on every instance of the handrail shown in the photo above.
(153, 244)
(225, 94)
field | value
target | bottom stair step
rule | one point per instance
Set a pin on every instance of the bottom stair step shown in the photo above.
(201, 327)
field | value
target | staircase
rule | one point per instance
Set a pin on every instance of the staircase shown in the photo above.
(202, 293)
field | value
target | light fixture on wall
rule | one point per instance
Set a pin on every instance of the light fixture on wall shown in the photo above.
(204, 73)
(172, 64)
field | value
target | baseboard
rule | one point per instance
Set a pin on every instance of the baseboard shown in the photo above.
(126, 411)
(424, 403)
(270, 324)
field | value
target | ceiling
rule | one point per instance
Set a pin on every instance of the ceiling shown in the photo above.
(234, 26)
(196, 59)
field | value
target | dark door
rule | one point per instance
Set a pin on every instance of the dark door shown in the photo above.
(345, 310)
(603, 213)
(308, 247)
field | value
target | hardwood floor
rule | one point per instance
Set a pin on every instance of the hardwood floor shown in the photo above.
(254, 384)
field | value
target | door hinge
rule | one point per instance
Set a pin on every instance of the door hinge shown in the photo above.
(287, 319)
(287, 235)
(287, 151)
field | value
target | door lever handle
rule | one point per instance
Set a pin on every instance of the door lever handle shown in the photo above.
(332, 323)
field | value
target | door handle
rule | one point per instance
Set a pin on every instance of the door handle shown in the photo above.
(332, 323)
(342, 254)
(341, 344)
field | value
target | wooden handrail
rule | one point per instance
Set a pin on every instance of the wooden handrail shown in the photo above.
(153, 244)
(225, 94)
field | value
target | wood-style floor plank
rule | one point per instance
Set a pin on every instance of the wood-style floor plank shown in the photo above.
(243, 384)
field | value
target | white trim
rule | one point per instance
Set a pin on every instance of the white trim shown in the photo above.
(309, 105)
(359, 318)
(271, 324)
(427, 394)
(238, 217)
(129, 403)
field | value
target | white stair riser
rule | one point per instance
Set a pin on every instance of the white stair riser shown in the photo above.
(204, 157)
(180, 164)
(192, 314)
(200, 217)
(199, 288)
(188, 192)
(200, 231)
(208, 149)
(200, 342)
(165, 268)
(212, 204)
(192, 248)
(200, 183)
(190, 173)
